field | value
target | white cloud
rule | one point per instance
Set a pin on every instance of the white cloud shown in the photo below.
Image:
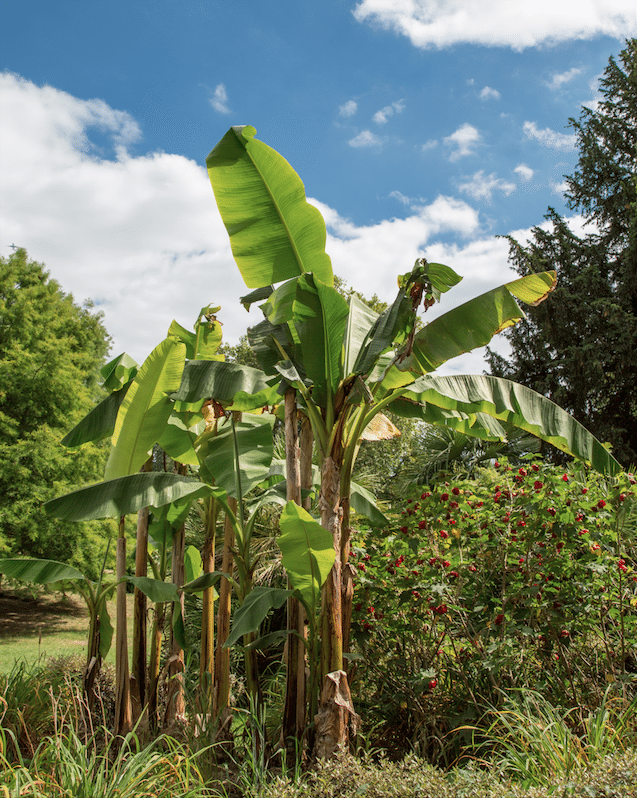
(380, 117)
(219, 100)
(465, 139)
(348, 109)
(429, 145)
(525, 172)
(549, 138)
(400, 197)
(365, 139)
(558, 79)
(481, 186)
(141, 235)
(489, 94)
(442, 23)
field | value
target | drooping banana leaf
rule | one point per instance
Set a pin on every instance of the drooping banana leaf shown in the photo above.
(209, 379)
(515, 404)
(275, 234)
(255, 449)
(254, 610)
(99, 423)
(307, 551)
(40, 572)
(474, 323)
(146, 408)
(117, 497)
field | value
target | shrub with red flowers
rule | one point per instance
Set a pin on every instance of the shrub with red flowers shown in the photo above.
(524, 576)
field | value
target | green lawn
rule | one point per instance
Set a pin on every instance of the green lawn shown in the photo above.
(36, 623)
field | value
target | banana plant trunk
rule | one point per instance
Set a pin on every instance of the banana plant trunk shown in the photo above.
(175, 703)
(221, 686)
(139, 674)
(206, 660)
(336, 716)
(123, 716)
(295, 693)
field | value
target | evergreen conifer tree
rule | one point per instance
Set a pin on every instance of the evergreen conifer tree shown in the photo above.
(580, 347)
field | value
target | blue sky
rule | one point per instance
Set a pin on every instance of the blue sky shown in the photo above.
(419, 127)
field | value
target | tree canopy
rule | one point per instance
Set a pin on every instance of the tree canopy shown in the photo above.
(50, 352)
(579, 349)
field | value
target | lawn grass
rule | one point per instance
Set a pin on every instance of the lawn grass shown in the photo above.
(41, 623)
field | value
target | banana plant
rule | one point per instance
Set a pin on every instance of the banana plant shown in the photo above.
(349, 364)
(95, 595)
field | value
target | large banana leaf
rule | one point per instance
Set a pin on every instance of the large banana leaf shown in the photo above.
(274, 232)
(253, 435)
(209, 379)
(117, 497)
(41, 572)
(99, 423)
(307, 551)
(360, 321)
(254, 610)
(177, 440)
(474, 323)
(513, 403)
(320, 320)
(146, 408)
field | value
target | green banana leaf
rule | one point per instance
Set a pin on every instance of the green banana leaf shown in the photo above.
(99, 423)
(118, 372)
(364, 503)
(275, 234)
(307, 551)
(515, 404)
(107, 629)
(320, 320)
(177, 440)
(255, 449)
(192, 563)
(156, 590)
(145, 409)
(210, 379)
(360, 321)
(254, 610)
(40, 572)
(209, 338)
(474, 323)
(116, 497)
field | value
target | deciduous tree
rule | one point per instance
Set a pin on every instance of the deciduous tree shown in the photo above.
(51, 349)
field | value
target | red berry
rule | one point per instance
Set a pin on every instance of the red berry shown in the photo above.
(433, 684)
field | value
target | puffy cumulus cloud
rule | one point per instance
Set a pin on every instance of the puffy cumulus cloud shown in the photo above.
(524, 171)
(348, 109)
(141, 236)
(442, 23)
(549, 138)
(558, 79)
(219, 100)
(481, 186)
(489, 94)
(380, 117)
(369, 257)
(365, 139)
(464, 141)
